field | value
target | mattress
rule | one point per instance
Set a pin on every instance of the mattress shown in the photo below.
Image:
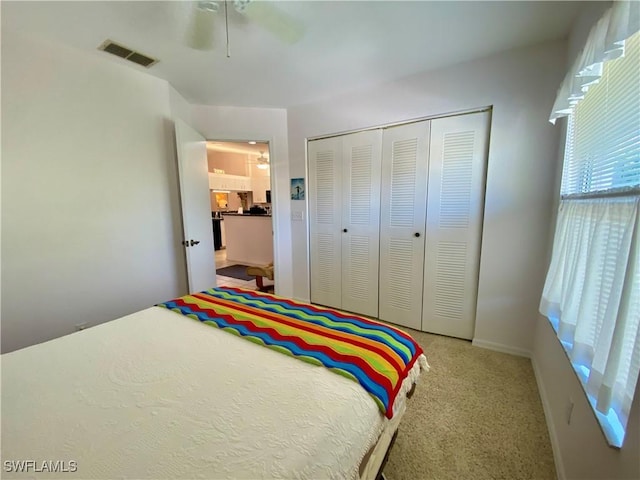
(158, 395)
(382, 359)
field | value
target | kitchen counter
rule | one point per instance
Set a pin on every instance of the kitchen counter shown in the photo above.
(246, 214)
(249, 238)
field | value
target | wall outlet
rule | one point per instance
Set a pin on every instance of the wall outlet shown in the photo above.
(297, 215)
(569, 410)
(81, 326)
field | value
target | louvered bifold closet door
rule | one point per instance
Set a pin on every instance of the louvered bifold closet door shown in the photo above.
(325, 219)
(402, 223)
(457, 163)
(362, 155)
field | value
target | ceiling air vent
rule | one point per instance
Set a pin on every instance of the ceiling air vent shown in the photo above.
(126, 53)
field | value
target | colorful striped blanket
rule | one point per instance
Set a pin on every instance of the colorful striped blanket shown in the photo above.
(385, 361)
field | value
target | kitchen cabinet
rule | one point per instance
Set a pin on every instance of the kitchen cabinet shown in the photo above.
(259, 187)
(219, 181)
(243, 183)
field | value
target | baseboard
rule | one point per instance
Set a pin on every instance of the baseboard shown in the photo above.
(498, 347)
(555, 444)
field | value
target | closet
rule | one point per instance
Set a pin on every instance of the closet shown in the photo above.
(395, 222)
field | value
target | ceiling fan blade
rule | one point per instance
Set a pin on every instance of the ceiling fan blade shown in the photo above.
(201, 29)
(272, 19)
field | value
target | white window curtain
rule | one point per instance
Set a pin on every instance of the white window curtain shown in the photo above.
(605, 42)
(593, 290)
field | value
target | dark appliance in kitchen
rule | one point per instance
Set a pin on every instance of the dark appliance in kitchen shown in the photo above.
(216, 218)
(257, 210)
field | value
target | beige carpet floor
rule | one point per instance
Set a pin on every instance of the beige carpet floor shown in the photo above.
(476, 414)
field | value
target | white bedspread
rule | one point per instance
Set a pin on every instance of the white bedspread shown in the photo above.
(158, 395)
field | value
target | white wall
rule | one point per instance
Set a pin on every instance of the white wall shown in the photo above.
(180, 108)
(90, 217)
(232, 163)
(580, 448)
(520, 85)
(260, 124)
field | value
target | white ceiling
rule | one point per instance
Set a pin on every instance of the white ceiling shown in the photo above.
(347, 45)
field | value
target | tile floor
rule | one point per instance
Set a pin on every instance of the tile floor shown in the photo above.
(221, 262)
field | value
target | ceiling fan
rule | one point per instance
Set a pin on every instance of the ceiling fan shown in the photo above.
(261, 162)
(202, 25)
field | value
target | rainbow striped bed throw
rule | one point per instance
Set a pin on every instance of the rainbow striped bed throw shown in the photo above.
(384, 360)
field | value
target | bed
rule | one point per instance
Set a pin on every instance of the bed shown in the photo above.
(171, 392)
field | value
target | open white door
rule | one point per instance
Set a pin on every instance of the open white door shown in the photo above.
(193, 171)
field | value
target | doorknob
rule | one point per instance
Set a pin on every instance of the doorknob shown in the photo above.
(344, 230)
(194, 242)
(417, 234)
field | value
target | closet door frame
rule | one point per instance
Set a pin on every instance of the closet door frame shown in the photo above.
(488, 111)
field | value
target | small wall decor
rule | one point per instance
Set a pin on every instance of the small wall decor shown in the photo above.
(297, 189)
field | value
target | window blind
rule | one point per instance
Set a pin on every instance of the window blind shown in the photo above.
(592, 291)
(602, 154)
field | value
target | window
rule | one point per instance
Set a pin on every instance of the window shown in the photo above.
(592, 291)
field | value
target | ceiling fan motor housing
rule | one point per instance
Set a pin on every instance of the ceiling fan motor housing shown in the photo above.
(212, 7)
(241, 5)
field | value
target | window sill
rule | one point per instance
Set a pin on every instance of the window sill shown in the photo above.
(610, 424)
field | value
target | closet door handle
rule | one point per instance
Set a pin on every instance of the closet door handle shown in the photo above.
(194, 242)
(417, 234)
(344, 230)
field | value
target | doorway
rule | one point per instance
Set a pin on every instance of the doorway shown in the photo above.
(241, 210)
